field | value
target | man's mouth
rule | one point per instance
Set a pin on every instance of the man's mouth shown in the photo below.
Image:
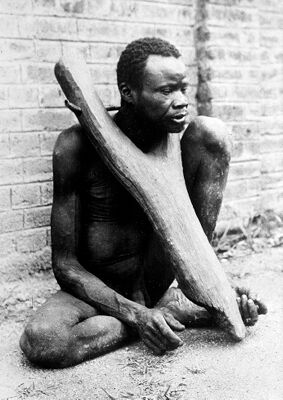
(179, 117)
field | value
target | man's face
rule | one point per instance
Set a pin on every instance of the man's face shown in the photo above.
(162, 98)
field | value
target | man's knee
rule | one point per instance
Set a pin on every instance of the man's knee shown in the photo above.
(45, 344)
(214, 136)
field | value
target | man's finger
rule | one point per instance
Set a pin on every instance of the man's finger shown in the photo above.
(153, 346)
(252, 312)
(174, 323)
(166, 331)
(156, 338)
(262, 309)
(244, 307)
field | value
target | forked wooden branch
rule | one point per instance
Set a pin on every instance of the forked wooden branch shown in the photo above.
(156, 181)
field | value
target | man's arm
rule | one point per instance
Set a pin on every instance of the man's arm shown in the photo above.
(152, 325)
(206, 147)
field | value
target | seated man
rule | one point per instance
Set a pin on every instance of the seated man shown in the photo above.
(114, 277)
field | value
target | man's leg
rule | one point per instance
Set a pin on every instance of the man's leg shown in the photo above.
(66, 331)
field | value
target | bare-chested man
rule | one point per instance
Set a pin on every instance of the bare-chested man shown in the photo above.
(113, 273)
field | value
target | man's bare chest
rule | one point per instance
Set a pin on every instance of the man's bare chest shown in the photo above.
(105, 199)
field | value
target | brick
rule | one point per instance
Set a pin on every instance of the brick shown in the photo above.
(245, 130)
(24, 144)
(234, 73)
(46, 189)
(81, 48)
(230, 92)
(97, 31)
(47, 142)
(270, 20)
(271, 144)
(37, 217)
(74, 7)
(11, 221)
(37, 169)
(31, 240)
(5, 198)
(219, 15)
(27, 195)
(10, 73)
(245, 187)
(233, 37)
(15, 49)
(270, 38)
(103, 73)
(248, 169)
(233, 56)
(4, 97)
(11, 171)
(15, 6)
(44, 7)
(101, 52)
(109, 94)
(38, 73)
(54, 28)
(47, 50)
(272, 163)
(7, 244)
(189, 56)
(50, 120)
(272, 124)
(23, 96)
(272, 180)
(175, 34)
(51, 96)
(228, 112)
(10, 121)
(247, 150)
(4, 146)
(268, 92)
(272, 199)
(9, 26)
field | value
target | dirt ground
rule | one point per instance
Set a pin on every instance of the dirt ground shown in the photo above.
(207, 367)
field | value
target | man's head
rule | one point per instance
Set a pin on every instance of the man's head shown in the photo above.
(152, 78)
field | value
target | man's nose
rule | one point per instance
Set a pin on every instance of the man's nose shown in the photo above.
(180, 100)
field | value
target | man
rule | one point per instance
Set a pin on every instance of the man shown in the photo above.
(106, 258)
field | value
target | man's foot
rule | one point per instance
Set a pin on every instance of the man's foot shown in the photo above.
(183, 310)
(191, 315)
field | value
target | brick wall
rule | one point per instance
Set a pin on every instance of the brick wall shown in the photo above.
(33, 35)
(240, 59)
(233, 52)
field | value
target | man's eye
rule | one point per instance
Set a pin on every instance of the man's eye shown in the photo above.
(184, 89)
(166, 91)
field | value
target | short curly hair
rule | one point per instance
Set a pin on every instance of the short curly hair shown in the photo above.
(131, 64)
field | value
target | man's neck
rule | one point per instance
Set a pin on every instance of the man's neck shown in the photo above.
(142, 132)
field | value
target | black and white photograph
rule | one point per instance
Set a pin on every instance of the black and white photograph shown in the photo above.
(141, 199)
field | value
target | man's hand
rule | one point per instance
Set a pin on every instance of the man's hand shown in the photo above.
(250, 306)
(155, 329)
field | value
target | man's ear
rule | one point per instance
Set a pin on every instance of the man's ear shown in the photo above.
(126, 93)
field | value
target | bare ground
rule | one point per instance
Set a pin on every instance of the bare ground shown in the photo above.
(207, 367)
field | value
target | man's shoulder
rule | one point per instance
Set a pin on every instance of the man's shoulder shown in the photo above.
(203, 124)
(69, 141)
(207, 130)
